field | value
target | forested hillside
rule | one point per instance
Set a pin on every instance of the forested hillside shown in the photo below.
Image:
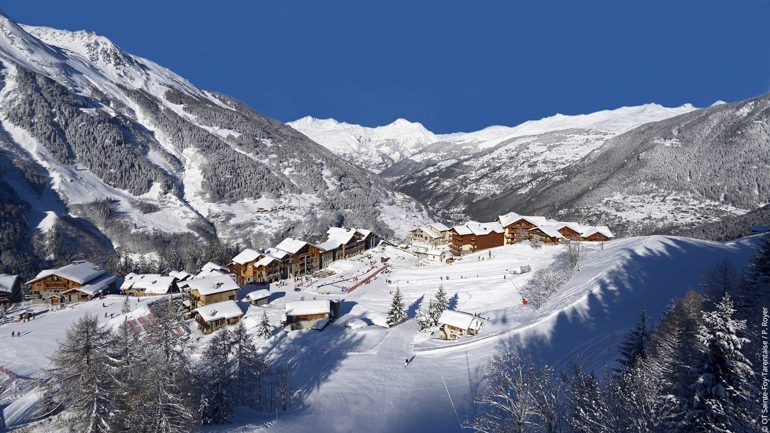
(135, 162)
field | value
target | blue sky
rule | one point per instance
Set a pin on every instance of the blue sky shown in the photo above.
(451, 65)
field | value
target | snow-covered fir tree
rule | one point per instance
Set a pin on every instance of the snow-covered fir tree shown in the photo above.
(215, 375)
(423, 318)
(723, 390)
(126, 308)
(263, 328)
(438, 305)
(82, 380)
(396, 314)
(249, 369)
(634, 344)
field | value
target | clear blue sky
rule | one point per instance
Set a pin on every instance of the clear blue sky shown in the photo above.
(451, 65)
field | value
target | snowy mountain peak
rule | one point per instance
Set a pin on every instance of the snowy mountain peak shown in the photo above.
(371, 148)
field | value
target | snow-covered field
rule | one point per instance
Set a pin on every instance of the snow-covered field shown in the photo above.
(355, 379)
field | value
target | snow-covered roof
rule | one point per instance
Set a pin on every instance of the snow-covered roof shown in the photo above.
(512, 217)
(97, 285)
(80, 272)
(428, 232)
(550, 230)
(213, 284)
(153, 284)
(291, 245)
(573, 226)
(480, 229)
(278, 254)
(246, 256)
(363, 232)
(319, 324)
(604, 230)
(258, 294)
(220, 310)
(264, 261)
(303, 308)
(341, 235)
(438, 226)
(509, 218)
(460, 320)
(435, 252)
(211, 266)
(462, 230)
(180, 275)
(7, 282)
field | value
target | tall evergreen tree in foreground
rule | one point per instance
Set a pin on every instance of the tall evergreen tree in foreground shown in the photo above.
(438, 305)
(82, 378)
(396, 314)
(723, 391)
(634, 344)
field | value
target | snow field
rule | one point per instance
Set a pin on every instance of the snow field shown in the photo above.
(355, 379)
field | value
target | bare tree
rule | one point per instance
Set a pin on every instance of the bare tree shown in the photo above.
(574, 253)
(509, 402)
(544, 283)
(720, 280)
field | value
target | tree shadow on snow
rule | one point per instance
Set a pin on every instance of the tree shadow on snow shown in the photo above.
(593, 328)
(411, 312)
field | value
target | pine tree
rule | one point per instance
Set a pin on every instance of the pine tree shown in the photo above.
(82, 377)
(248, 368)
(438, 305)
(423, 318)
(634, 344)
(126, 306)
(216, 375)
(263, 328)
(723, 391)
(396, 314)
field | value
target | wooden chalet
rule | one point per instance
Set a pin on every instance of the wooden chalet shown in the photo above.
(486, 235)
(10, 289)
(598, 234)
(214, 316)
(259, 297)
(456, 323)
(79, 281)
(313, 314)
(516, 227)
(462, 240)
(548, 234)
(425, 235)
(209, 290)
(243, 266)
(284, 261)
(570, 230)
(149, 285)
(441, 230)
(305, 258)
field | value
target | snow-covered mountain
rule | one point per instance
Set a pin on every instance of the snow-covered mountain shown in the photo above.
(689, 169)
(118, 148)
(403, 146)
(372, 148)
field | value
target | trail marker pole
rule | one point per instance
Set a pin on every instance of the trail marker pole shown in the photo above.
(450, 401)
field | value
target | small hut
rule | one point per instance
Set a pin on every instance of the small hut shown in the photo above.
(259, 297)
(454, 323)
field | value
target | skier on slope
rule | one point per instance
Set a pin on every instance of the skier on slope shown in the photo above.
(406, 362)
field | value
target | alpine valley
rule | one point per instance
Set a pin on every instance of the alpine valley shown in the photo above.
(133, 160)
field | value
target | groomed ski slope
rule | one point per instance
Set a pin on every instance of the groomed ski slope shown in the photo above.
(355, 380)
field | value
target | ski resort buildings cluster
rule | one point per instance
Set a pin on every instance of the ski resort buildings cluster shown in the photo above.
(212, 296)
(505, 230)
